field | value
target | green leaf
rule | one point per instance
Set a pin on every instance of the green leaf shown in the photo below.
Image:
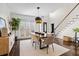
(15, 23)
(76, 29)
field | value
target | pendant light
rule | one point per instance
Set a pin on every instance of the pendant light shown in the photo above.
(38, 19)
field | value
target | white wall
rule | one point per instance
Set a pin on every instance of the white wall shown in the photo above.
(5, 14)
(57, 16)
(47, 19)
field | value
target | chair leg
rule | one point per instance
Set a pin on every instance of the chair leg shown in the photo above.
(53, 47)
(47, 48)
(35, 45)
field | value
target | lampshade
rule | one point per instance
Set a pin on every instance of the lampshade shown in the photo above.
(38, 19)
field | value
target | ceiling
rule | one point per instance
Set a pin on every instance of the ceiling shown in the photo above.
(31, 8)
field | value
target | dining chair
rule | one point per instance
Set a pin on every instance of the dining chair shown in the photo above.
(48, 41)
(35, 40)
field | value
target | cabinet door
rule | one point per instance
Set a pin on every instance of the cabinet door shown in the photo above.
(4, 46)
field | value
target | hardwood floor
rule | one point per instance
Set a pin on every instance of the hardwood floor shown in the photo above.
(74, 49)
(16, 49)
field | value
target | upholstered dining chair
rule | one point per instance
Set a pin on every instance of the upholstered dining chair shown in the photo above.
(35, 40)
(48, 41)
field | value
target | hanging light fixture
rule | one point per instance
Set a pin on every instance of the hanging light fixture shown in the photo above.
(38, 19)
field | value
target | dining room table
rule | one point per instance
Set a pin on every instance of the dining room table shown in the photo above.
(41, 46)
(42, 37)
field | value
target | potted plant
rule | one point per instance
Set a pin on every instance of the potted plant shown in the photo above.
(76, 30)
(15, 25)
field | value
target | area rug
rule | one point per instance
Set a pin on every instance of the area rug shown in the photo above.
(26, 49)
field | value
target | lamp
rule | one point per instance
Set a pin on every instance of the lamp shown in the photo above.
(38, 19)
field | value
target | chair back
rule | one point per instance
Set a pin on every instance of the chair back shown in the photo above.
(49, 40)
(34, 37)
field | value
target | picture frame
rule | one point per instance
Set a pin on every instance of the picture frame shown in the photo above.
(45, 27)
(2, 23)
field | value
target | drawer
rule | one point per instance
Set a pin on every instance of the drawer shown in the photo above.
(3, 50)
(4, 46)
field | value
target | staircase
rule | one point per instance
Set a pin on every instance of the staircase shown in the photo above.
(68, 28)
(70, 21)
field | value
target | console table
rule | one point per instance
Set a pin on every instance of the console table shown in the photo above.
(4, 45)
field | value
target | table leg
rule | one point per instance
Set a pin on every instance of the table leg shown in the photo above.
(41, 45)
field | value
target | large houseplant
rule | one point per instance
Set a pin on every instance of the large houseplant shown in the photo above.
(76, 30)
(15, 25)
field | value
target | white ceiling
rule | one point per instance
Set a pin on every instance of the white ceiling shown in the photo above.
(31, 8)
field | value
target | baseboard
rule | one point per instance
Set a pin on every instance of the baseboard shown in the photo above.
(4, 55)
(23, 39)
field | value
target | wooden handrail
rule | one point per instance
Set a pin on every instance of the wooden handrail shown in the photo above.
(67, 16)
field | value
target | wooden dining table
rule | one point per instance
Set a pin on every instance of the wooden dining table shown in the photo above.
(41, 37)
(40, 40)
